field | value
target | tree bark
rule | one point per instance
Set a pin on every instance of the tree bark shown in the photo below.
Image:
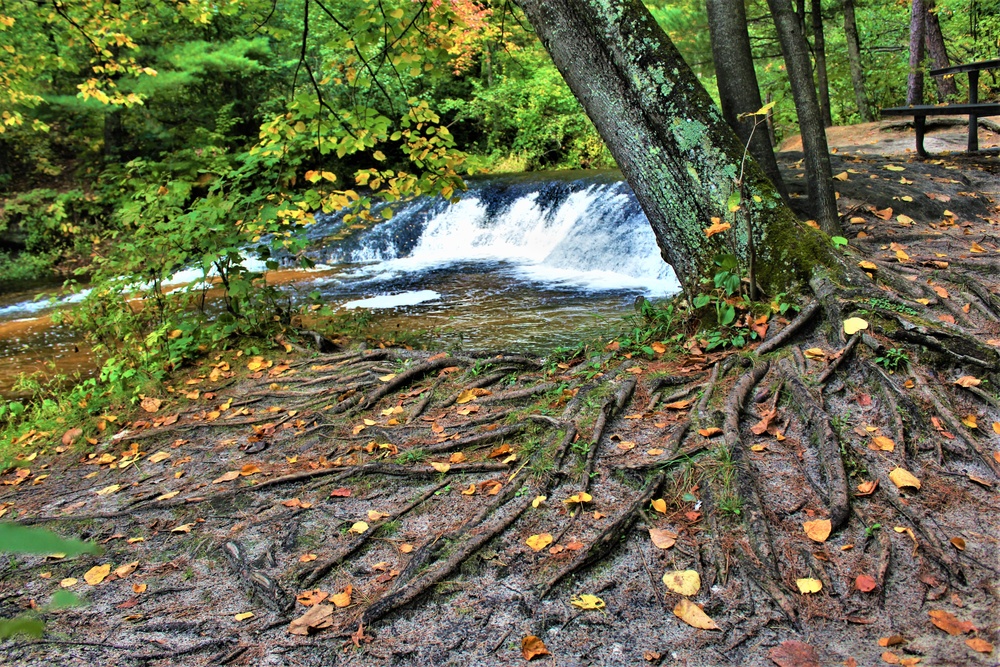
(739, 91)
(670, 141)
(915, 80)
(934, 43)
(819, 175)
(854, 59)
(819, 51)
(114, 135)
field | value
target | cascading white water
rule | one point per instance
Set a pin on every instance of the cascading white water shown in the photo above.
(590, 237)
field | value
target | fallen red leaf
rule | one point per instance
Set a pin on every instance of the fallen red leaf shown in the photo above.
(865, 583)
(793, 653)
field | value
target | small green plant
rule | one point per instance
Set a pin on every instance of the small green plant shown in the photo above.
(872, 529)
(412, 456)
(732, 505)
(893, 359)
(886, 304)
(733, 310)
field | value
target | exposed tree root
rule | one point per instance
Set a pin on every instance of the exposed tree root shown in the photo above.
(785, 334)
(609, 538)
(414, 588)
(406, 378)
(309, 577)
(831, 484)
(611, 407)
(478, 440)
(264, 587)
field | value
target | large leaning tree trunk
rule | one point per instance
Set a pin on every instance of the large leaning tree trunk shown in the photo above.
(938, 52)
(819, 175)
(670, 141)
(738, 88)
(854, 59)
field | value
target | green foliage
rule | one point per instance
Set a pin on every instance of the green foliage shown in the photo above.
(886, 304)
(17, 539)
(893, 359)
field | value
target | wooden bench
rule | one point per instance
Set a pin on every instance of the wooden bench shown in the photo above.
(973, 108)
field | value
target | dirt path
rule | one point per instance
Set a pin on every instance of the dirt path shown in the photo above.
(397, 493)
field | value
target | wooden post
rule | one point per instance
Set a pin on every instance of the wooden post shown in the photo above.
(973, 118)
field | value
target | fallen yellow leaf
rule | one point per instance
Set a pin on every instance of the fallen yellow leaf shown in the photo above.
(660, 505)
(343, 599)
(692, 614)
(880, 442)
(440, 467)
(123, 571)
(539, 542)
(818, 530)
(576, 498)
(854, 325)
(243, 616)
(358, 527)
(97, 574)
(586, 601)
(903, 478)
(809, 585)
(684, 582)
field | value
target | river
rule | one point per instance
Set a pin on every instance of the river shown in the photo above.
(527, 262)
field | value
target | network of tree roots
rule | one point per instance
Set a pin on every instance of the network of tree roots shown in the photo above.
(743, 447)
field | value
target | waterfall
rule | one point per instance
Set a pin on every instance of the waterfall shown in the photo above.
(577, 231)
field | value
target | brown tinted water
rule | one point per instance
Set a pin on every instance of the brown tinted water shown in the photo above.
(480, 306)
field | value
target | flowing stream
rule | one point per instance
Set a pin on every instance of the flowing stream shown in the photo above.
(526, 262)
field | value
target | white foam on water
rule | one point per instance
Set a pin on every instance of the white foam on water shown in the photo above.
(393, 300)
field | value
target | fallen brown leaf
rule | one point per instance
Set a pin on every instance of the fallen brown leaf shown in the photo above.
(793, 653)
(532, 647)
(949, 623)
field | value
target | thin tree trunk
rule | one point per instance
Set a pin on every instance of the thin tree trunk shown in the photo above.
(670, 141)
(819, 51)
(738, 88)
(114, 135)
(934, 42)
(819, 175)
(915, 81)
(854, 59)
